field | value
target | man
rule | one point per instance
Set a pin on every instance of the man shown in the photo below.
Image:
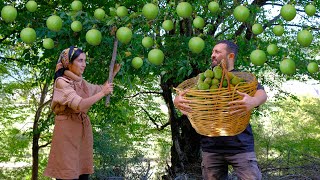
(238, 151)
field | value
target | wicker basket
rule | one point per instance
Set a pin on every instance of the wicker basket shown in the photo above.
(210, 115)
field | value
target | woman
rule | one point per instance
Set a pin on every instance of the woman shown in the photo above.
(71, 153)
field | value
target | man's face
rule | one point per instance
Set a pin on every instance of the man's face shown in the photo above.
(219, 52)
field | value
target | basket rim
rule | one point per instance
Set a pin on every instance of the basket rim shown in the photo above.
(179, 89)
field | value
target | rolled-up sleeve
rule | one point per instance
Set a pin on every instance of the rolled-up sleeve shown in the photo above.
(66, 97)
(93, 88)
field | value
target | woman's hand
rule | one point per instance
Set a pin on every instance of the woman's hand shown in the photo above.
(116, 69)
(107, 88)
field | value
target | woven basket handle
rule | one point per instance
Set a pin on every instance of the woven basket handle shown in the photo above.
(224, 74)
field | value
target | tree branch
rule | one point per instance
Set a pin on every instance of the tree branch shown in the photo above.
(45, 145)
(271, 21)
(149, 92)
(44, 104)
(41, 103)
(258, 3)
(189, 24)
(219, 20)
(297, 25)
(49, 115)
(223, 31)
(240, 30)
(154, 121)
(299, 10)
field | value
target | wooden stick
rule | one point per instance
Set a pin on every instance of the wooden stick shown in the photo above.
(113, 60)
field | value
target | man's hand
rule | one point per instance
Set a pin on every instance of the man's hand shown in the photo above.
(179, 102)
(247, 103)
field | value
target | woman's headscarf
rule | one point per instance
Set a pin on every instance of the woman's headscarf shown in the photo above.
(65, 57)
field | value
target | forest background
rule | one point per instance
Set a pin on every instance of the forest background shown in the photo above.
(141, 135)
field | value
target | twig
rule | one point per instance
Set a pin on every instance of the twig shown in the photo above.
(149, 92)
(154, 121)
(45, 145)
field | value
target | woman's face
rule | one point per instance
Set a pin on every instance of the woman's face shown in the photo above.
(78, 65)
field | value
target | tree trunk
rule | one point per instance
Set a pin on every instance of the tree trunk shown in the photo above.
(35, 156)
(185, 150)
(36, 134)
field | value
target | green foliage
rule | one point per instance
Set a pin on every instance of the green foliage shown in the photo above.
(14, 111)
(287, 136)
(133, 118)
(18, 173)
(124, 134)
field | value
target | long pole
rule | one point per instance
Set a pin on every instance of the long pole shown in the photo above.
(113, 60)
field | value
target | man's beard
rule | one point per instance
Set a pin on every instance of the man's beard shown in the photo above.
(214, 63)
(217, 62)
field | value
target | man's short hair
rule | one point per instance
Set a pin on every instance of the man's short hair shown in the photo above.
(231, 47)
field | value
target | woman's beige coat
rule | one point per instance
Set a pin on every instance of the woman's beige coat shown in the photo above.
(71, 152)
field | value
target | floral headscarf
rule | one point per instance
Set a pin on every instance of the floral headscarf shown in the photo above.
(65, 57)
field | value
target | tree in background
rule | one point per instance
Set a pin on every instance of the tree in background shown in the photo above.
(133, 114)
